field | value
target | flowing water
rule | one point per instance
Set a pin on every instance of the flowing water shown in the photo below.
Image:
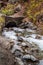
(28, 35)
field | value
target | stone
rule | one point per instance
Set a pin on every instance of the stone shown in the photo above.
(19, 61)
(23, 44)
(16, 47)
(29, 57)
(18, 8)
(34, 27)
(38, 37)
(18, 54)
(26, 57)
(33, 58)
(20, 39)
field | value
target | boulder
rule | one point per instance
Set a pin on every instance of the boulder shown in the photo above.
(16, 47)
(29, 57)
(19, 61)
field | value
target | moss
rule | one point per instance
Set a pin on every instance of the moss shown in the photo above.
(34, 9)
(8, 10)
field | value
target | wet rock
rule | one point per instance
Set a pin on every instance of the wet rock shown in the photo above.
(19, 61)
(34, 28)
(38, 37)
(35, 50)
(18, 54)
(23, 44)
(26, 45)
(20, 39)
(29, 57)
(5, 29)
(17, 42)
(33, 58)
(30, 30)
(26, 25)
(16, 47)
(26, 57)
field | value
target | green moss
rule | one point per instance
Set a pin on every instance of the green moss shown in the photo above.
(8, 10)
(34, 8)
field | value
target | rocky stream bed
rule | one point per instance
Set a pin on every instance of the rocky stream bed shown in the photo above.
(25, 45)
(21, 32)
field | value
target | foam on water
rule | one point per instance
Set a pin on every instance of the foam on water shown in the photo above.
(36, 41)
(10, 34)
(30, 37)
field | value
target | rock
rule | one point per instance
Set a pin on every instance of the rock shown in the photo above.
(16, 47)
(18, 54)
(20, 39)
(24, 25)
(29, 57)
(30, 30)
(33, 58)
(38, 37)
(27, 25)
(35, 50)
(23, 44)
(26, 57)
(5, 29)
(34, 28)
(18, 8)
(26, 19)
(19, 61)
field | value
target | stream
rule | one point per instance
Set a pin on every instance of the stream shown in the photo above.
(28, 35)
